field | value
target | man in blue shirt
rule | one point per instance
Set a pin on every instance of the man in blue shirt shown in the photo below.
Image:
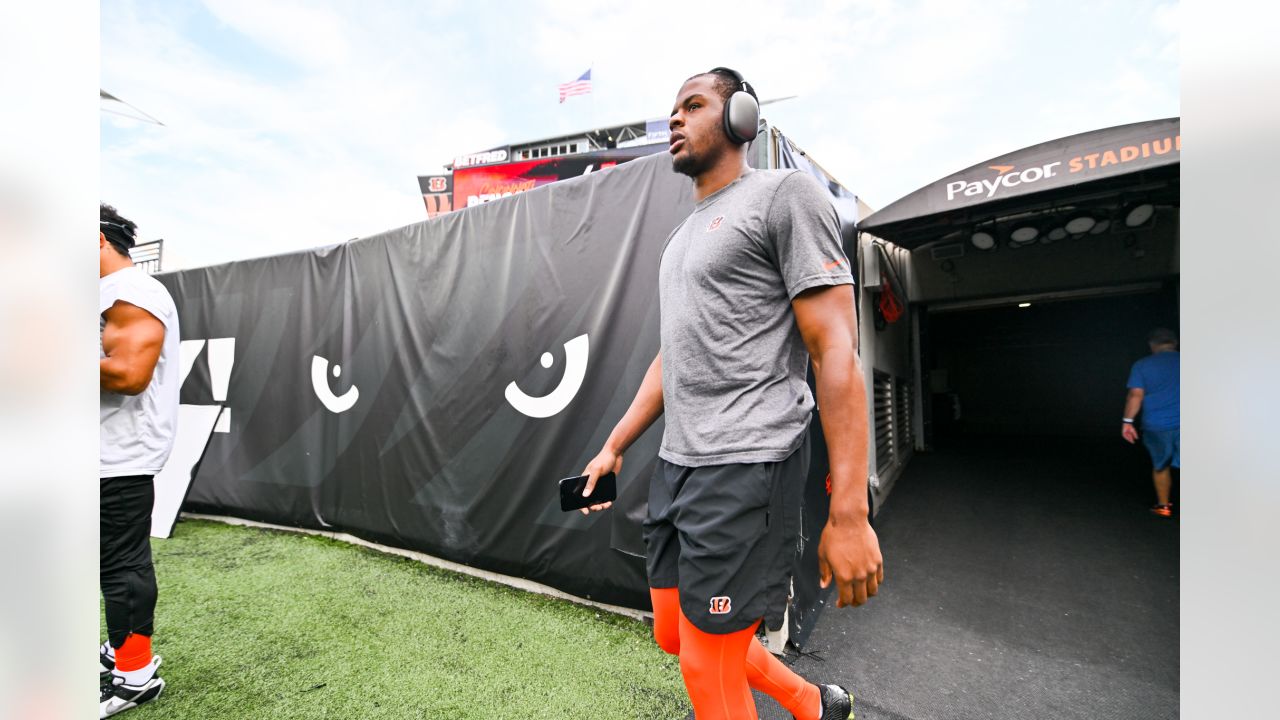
(1153, 388)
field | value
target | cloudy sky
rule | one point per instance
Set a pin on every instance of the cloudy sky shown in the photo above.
(292, 124)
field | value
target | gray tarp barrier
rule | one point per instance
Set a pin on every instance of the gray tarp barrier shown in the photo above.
(425, 388)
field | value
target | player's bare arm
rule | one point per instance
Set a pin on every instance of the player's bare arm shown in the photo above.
(849, 550)
(131, 341)
(644, 410)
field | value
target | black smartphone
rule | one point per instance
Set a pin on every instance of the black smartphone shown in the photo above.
(571, 488)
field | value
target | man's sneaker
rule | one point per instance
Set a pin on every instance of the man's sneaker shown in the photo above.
(1165, 510)
(837, 704)
(118, 696)
(106, 664)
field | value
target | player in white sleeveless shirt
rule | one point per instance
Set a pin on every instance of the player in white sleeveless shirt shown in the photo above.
(138, 365)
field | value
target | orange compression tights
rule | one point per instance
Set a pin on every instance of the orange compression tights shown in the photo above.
(719, 669)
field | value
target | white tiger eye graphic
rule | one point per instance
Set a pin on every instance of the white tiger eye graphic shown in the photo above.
(575, 371)
(320, 383)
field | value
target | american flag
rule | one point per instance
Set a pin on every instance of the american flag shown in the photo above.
(581, 86)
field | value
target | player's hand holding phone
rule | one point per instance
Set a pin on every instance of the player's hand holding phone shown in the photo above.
(606, 462)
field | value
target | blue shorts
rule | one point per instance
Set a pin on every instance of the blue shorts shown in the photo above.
(1164, 446)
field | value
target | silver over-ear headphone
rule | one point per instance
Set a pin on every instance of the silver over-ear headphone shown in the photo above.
(742, 111)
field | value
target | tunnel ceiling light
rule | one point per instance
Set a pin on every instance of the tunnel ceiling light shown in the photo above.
(1056, 234)
(1080, 224)
(983, 240)
(1024, 233)
(1101, 227)
(1024, 305)
(1138, 215)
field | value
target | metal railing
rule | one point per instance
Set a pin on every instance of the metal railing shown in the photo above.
(148, 256)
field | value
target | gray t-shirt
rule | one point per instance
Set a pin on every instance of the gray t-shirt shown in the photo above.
(733, 362)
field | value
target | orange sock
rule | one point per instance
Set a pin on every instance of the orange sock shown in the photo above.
(764, 672)
(134, 654)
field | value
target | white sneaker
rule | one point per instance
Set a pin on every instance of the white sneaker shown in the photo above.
(118, 696)
(106, 663)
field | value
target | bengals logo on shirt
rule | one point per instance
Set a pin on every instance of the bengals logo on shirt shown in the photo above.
(715, 224)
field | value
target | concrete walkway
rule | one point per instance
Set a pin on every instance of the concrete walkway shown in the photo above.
(1024, 579)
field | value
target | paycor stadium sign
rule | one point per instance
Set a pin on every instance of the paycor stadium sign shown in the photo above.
(1092, 163)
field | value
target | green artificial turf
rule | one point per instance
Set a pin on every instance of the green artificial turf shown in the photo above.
(261, 624)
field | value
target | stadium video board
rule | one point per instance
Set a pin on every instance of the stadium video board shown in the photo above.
(478, 185)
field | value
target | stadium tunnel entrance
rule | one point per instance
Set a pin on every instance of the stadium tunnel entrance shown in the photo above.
(1000, 309)
(1006, 302)
(1049, 367)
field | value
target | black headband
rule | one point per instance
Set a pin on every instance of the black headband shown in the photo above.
(118, 235)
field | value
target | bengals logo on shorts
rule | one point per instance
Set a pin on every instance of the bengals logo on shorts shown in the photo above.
(721, 605)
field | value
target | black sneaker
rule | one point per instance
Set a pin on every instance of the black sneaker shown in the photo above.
(837, 703)
(118, 696)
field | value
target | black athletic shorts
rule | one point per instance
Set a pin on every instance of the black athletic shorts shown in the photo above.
(726, 536)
